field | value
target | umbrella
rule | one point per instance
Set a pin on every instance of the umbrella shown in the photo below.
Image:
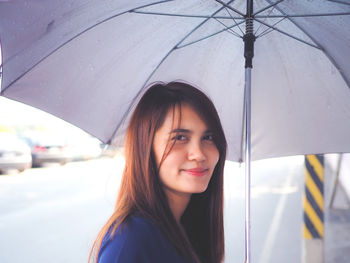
(88, 62)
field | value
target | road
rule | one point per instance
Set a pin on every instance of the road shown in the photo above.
(276, 211)
(53, 214)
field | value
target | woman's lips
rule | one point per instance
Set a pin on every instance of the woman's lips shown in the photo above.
(197, 171)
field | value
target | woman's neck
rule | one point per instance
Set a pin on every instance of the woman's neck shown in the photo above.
(177, 203)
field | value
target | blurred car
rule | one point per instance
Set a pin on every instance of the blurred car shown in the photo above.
(47, 148)
(84, 147)
(14, 153)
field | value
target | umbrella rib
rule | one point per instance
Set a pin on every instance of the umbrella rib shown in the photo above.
(347, 81)
(287, 34)
(266, 31)
(156, 68)
(181, 15)
(231, 8)
(265, 20)
(339, 2)
(274, 28)
(265, 8)
(208, 36)
(77, 35)
(229, 29)
(305, 15)
(282, 32)
(234, 20)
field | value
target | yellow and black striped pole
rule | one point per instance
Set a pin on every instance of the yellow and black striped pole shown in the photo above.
(313, 201)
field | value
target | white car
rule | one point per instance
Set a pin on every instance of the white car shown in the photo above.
(14, 153)
(47, 147)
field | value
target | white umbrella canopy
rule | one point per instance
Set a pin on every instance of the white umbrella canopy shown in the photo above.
(88, 62)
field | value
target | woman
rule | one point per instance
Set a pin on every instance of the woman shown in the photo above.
(170, 202)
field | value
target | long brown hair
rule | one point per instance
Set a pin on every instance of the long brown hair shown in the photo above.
(141, 189)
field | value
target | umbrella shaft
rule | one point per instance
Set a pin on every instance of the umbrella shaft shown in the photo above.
(247, 161)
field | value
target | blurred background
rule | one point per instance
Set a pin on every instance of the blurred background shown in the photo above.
(58, 186)
(32, 138)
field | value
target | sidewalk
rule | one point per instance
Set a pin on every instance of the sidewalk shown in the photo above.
(337, 217)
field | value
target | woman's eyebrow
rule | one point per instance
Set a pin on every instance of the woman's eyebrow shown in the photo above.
(180, 130)
(188, 131)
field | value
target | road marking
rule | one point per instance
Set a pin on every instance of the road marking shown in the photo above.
(276, 221)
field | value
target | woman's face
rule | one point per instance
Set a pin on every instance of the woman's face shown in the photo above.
(189, 165)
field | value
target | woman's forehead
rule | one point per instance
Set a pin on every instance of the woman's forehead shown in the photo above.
(184, 116)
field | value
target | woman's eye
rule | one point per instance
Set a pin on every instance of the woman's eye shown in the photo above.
(208, 137)
(179, 137)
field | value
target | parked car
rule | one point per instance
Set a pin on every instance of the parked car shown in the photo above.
(14, 153)
(47, 148)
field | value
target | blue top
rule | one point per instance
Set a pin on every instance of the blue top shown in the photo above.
(138, 241)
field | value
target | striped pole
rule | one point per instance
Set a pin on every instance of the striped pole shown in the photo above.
(313, 202)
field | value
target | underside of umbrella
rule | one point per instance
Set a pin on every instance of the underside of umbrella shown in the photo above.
(89, 62)
(52, 50)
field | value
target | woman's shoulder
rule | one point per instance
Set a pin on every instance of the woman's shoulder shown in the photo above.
(137, 230)
(137, 240)
(140, 225)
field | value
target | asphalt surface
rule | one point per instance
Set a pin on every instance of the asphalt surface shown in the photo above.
(53, 214)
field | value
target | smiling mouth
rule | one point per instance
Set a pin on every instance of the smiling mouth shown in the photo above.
(197, 171)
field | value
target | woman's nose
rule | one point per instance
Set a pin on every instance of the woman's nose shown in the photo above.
(195, 152)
